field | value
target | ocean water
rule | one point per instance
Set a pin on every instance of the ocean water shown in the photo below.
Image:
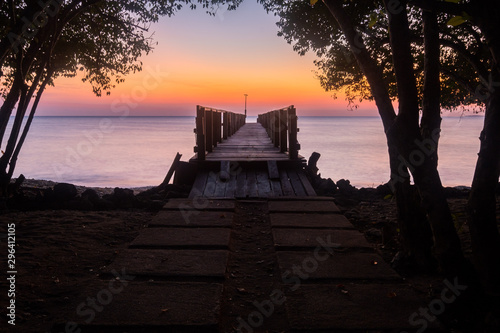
(137, 151)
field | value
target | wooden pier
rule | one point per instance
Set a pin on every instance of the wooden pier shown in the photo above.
(253, 249)
(254, 160)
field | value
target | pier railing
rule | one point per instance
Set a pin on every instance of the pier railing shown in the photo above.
(281, 126)
(213, 126)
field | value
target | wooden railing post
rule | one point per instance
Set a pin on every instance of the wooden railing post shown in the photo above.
(292, 132)
(213, 126)
(200, 133)
(216, 123)
(281, 126)
(209, 130)
(225, 125)
(275, 118)
(283, 119)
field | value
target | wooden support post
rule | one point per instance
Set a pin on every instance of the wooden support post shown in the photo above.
(219, 126)
(275, 118)
(224, 173)
(200, 133)
(272, 170)
(216, 127)
(283, 117)
(225, 124)
(209, 130)
(170, 172)
(294, 145)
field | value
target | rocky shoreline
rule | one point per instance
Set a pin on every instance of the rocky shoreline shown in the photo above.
(36, 194)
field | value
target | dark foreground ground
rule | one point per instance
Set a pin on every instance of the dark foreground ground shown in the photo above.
(60, 252)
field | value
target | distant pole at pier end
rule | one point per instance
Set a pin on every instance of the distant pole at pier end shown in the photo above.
(246, 95)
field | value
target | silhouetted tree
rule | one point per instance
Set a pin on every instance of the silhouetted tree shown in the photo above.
(482, 19)
(411, 61)
(41, 40)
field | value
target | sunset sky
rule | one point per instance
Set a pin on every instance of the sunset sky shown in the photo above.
(212, 61)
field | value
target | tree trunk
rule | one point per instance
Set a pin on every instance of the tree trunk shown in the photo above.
(430, 124)
(482, 201)
(414, 230)
(406, 133)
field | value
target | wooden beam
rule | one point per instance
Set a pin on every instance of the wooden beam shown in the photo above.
(272, 170)
(224, 173)
(200, 133)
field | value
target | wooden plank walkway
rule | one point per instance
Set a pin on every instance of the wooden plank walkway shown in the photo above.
(252, 182)
(255, 169)
(194, 270)
(249, 143)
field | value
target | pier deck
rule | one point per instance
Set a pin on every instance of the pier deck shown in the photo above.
(249, 144)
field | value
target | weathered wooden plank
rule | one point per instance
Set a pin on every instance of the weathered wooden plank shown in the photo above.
(251, 184)
(272, 169)
(193, 306)
(193, 238)
(296, 183)
(306, 184)
(199, 185)
(241, 185)
(231, 187)
(220, 188)
(249, 154)
(356, 266)
(310, 220)
(303, 206)
(276, 188)
(286, 186)
(302, 238)
(192, 219)
(171, 263)
(243, 159)
(171, 171)
(263, 185)
(210, 185)
(224, 170)
(363, 307)
(199, 204)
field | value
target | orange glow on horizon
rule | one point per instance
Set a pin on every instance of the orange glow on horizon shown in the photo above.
(213, 62)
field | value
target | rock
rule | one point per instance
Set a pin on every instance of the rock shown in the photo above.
(91, 195)
(124, 198)
(457, 192)
(325, 187)
(345, 187)
(48, 194)
(103, 204)
(373, 233)
(65, 191)
(384, 190)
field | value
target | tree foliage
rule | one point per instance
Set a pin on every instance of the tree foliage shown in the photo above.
(311, 28)
(41, 40)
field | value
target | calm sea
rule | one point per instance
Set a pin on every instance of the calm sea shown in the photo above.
(137, 151)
